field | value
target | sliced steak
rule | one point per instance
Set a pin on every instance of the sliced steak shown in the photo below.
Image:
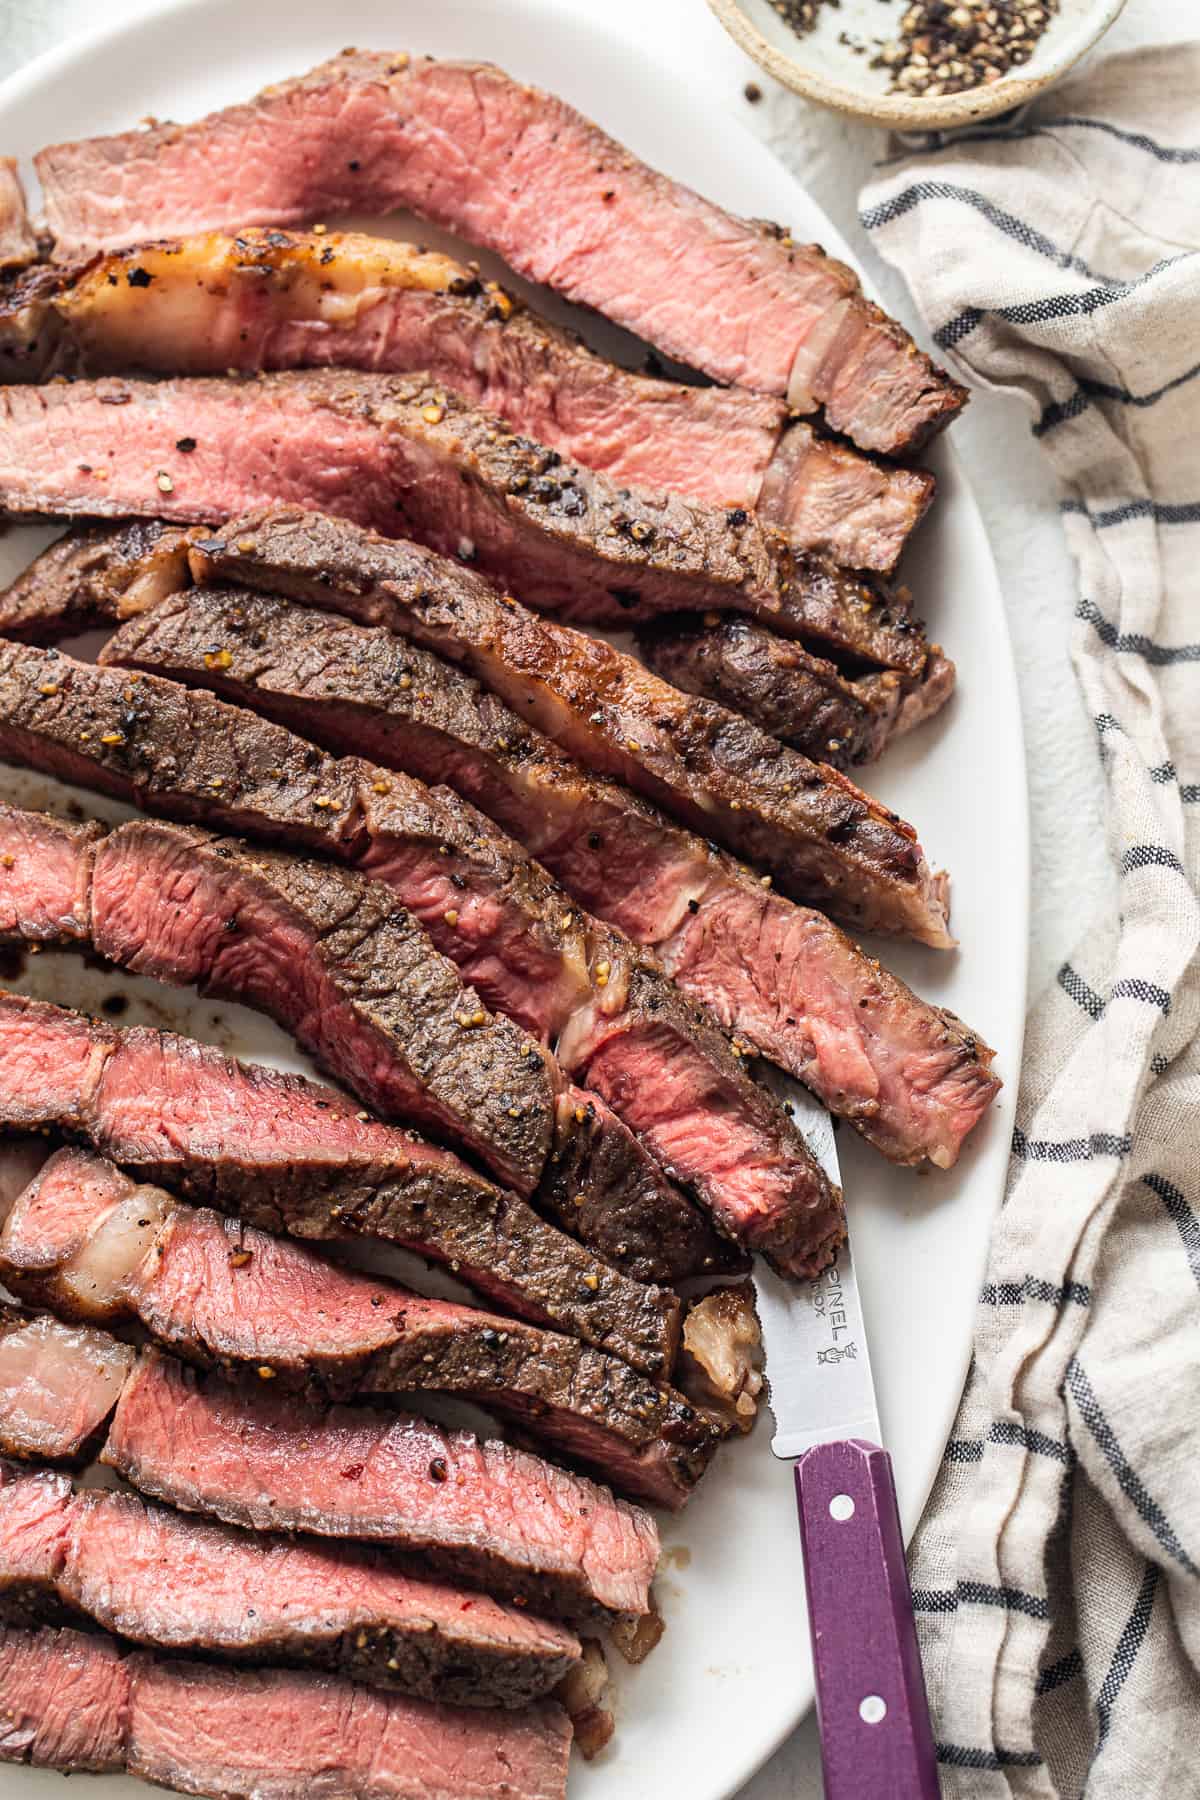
(442, 1501)
(18, 244)
(910, 1076)
(820, 837)
(292, 1156)
(801, 699)
(327, 953)
(157, 1578)
(404, 454)
(521, 172)
(75, 1701)
(45, 877)
(58, 1385)
(526, 947)
(94, 572)
(91, 1244)
(66, 1700)
(828, 497)
(109, 573)
(273, 300)
(352, 974)
(908, 704)
(484, 1513)
(604, 1187)
(330, 956)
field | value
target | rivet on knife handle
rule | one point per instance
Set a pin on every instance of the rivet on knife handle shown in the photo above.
(876, 1740)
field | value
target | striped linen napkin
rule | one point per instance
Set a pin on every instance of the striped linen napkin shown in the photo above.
(1057, 1568)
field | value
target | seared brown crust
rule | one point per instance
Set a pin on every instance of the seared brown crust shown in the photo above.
(423, 1200)
(363, 987)
(801, 699)
(726, 940)
(602, 1187)
(189, 755)
(858, 619)
(419, 459)
(821, 838)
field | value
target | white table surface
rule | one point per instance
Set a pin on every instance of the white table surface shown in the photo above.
(833, 156)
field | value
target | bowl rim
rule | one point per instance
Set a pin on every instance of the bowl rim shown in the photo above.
(905, 111)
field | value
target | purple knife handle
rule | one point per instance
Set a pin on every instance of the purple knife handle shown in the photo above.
(876, 1739)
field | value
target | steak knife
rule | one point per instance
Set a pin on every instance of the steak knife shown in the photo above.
(876, 1738)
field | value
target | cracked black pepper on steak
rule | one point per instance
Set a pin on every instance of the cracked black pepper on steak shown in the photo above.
(944, 46)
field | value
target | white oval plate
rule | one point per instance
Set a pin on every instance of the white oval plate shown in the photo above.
(732, 1676)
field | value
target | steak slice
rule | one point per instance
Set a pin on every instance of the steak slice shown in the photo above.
(91, 1244)
(673, 1075)
(334, 958)
(242, 1736)
(405, 455)
(66, 1700)
(328, 954)
(483, 1513)
(325, 952)
(801, 699)
(911, 1077)
(46, 870)
(603, 1186)
(832, 499)
(294, 1157)
(75, 1701)
(158, 1578)
(58, 1384)
(94, 572)
(820, 837)
(519, 171)
(508, 927)
(18, 245)
(97, 574)
(268, 300)
(265, 920)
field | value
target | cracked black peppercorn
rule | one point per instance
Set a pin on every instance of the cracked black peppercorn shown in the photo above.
(942, 46)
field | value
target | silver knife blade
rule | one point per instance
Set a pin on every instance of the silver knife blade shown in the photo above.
(818, 1365)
